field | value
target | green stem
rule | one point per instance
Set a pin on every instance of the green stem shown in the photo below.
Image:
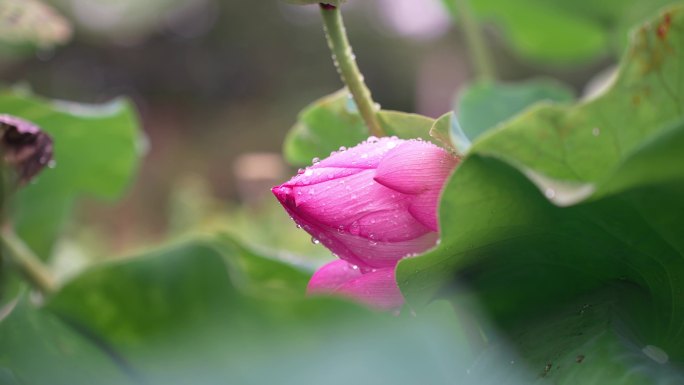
(19, 253)
(476, 43)
(347, 67)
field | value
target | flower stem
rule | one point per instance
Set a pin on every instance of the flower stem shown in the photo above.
(19, 253)
(479, 53)
(347, 67)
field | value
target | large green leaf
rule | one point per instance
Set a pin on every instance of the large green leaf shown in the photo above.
(588, 342)
(334, 121)
(36, 344)
(584, 143)
(96, 153)
(322, 128)
(483, 105)
(180, 316)
(564, 201)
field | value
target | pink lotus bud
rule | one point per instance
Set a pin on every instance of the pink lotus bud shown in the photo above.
(372, 204)
(376, 288)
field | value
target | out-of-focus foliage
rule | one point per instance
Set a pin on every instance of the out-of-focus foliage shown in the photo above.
(189, 314)
(305, 2)
(130, 20)
(563, 32)
(96, 153)
(30, 24)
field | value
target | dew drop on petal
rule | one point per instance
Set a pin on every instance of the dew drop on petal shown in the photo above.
(315, 241)
(315, 160)
(308, 172)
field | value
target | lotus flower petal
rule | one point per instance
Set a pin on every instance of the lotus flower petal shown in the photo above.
(415, 167)
(377, 288)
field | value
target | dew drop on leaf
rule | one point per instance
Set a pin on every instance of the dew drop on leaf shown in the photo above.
(550, 193)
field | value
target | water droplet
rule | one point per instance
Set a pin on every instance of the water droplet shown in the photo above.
(351, 104)
(372, 243)
(372, 139)
(315, 241)
(342, 148)
(656, 354)
(308, 172)
(299, 226)
(354, 267)
(550, 193)
(315, 160)
(596, 131)
(300, 171)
